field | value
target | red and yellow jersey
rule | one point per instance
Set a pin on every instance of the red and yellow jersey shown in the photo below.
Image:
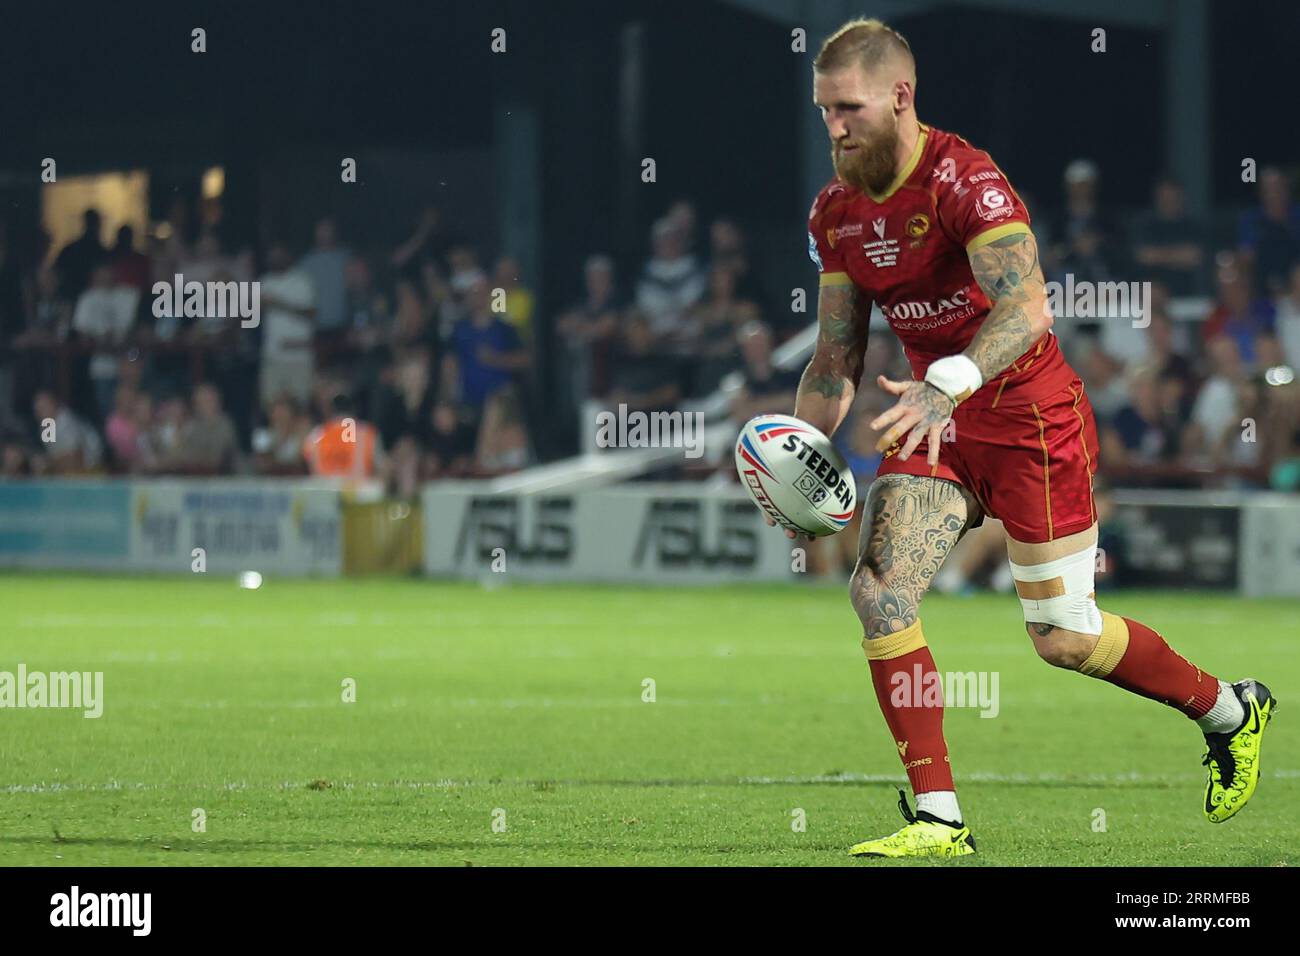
(907, 249)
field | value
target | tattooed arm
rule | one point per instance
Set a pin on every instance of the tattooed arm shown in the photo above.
(831, 379)
(1008, 271)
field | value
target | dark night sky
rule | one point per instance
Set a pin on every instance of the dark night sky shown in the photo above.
(108, 85)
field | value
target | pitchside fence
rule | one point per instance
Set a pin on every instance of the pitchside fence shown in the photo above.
(676, 533)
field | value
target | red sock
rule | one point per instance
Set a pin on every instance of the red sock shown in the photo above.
(1131, 655)
(912, 703)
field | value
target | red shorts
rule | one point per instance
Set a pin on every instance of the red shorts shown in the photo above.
(1030, 466)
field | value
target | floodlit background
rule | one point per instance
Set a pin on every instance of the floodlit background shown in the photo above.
(478, 227)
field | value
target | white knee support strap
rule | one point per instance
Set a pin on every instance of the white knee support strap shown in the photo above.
(1060, 592)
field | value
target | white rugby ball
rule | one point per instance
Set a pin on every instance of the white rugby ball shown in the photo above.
(795, 475)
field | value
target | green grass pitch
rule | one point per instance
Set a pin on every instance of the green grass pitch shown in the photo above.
(524, 705)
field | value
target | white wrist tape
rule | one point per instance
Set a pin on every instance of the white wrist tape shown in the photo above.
(956, 376)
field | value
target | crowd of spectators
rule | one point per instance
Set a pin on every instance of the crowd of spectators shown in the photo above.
(1193, 385)
(435, 350)
(407, 347)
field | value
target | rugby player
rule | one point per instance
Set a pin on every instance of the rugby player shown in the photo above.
(927, 227)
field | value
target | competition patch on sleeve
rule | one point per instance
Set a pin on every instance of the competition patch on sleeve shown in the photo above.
(993, 203)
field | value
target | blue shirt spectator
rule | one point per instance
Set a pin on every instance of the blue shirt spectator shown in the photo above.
(1270, 234)
(486, 349)
(326, 264)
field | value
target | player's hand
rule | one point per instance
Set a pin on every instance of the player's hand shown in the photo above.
(921, 412)
(771, 523)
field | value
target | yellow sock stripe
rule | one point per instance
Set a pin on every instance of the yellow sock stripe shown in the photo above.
(894, 645)
(1110, 646)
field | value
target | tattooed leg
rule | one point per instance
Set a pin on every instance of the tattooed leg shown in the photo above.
(909, 527)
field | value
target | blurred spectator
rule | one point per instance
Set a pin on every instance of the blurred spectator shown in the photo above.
(1167, 348)
(79, 258)
(502, 438)
(105, 315)
(207, 444)
(1237, 313)
(1280, 429)
(1147, 430)
(343, 446)
(288, 307)
(70, 444)
(401, 471)
(51, 311)
(207, 262)
(404, 399)
(169, 242)
(682, 215)
(1287, 323)
(165, 428)
(1269, 236)
(122, 429)
(465, 270)
(1168, 245)
(326, 265)
(148, 453)
(1103, 376)
(519, 298)
(767, 390)
(277, 446)
(131, 269)
(368, 311)
(671, 283)
(15, 457)
(1088, 239)
(450, 451)
(412, 318)
(486, 350)
(717, 321)
(1215, 408)
(1235, 447)
(642, 376)
(428, 243)
(727, 248)
(13, 320)
(588, 331)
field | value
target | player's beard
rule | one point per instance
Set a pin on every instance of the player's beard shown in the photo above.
(870, 167)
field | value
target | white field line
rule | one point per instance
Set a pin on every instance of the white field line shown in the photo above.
(1089, 780)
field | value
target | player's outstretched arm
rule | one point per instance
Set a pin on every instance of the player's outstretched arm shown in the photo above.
(1008, 271)
(831, 379)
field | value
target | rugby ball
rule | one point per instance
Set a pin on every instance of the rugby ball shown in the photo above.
(795, 475)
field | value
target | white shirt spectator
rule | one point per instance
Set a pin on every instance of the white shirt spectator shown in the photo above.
(106, 315)
(280, 326)
(288, 358)
(667, 290)
(71, 435)
(1215, 408)
(1288, 328)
